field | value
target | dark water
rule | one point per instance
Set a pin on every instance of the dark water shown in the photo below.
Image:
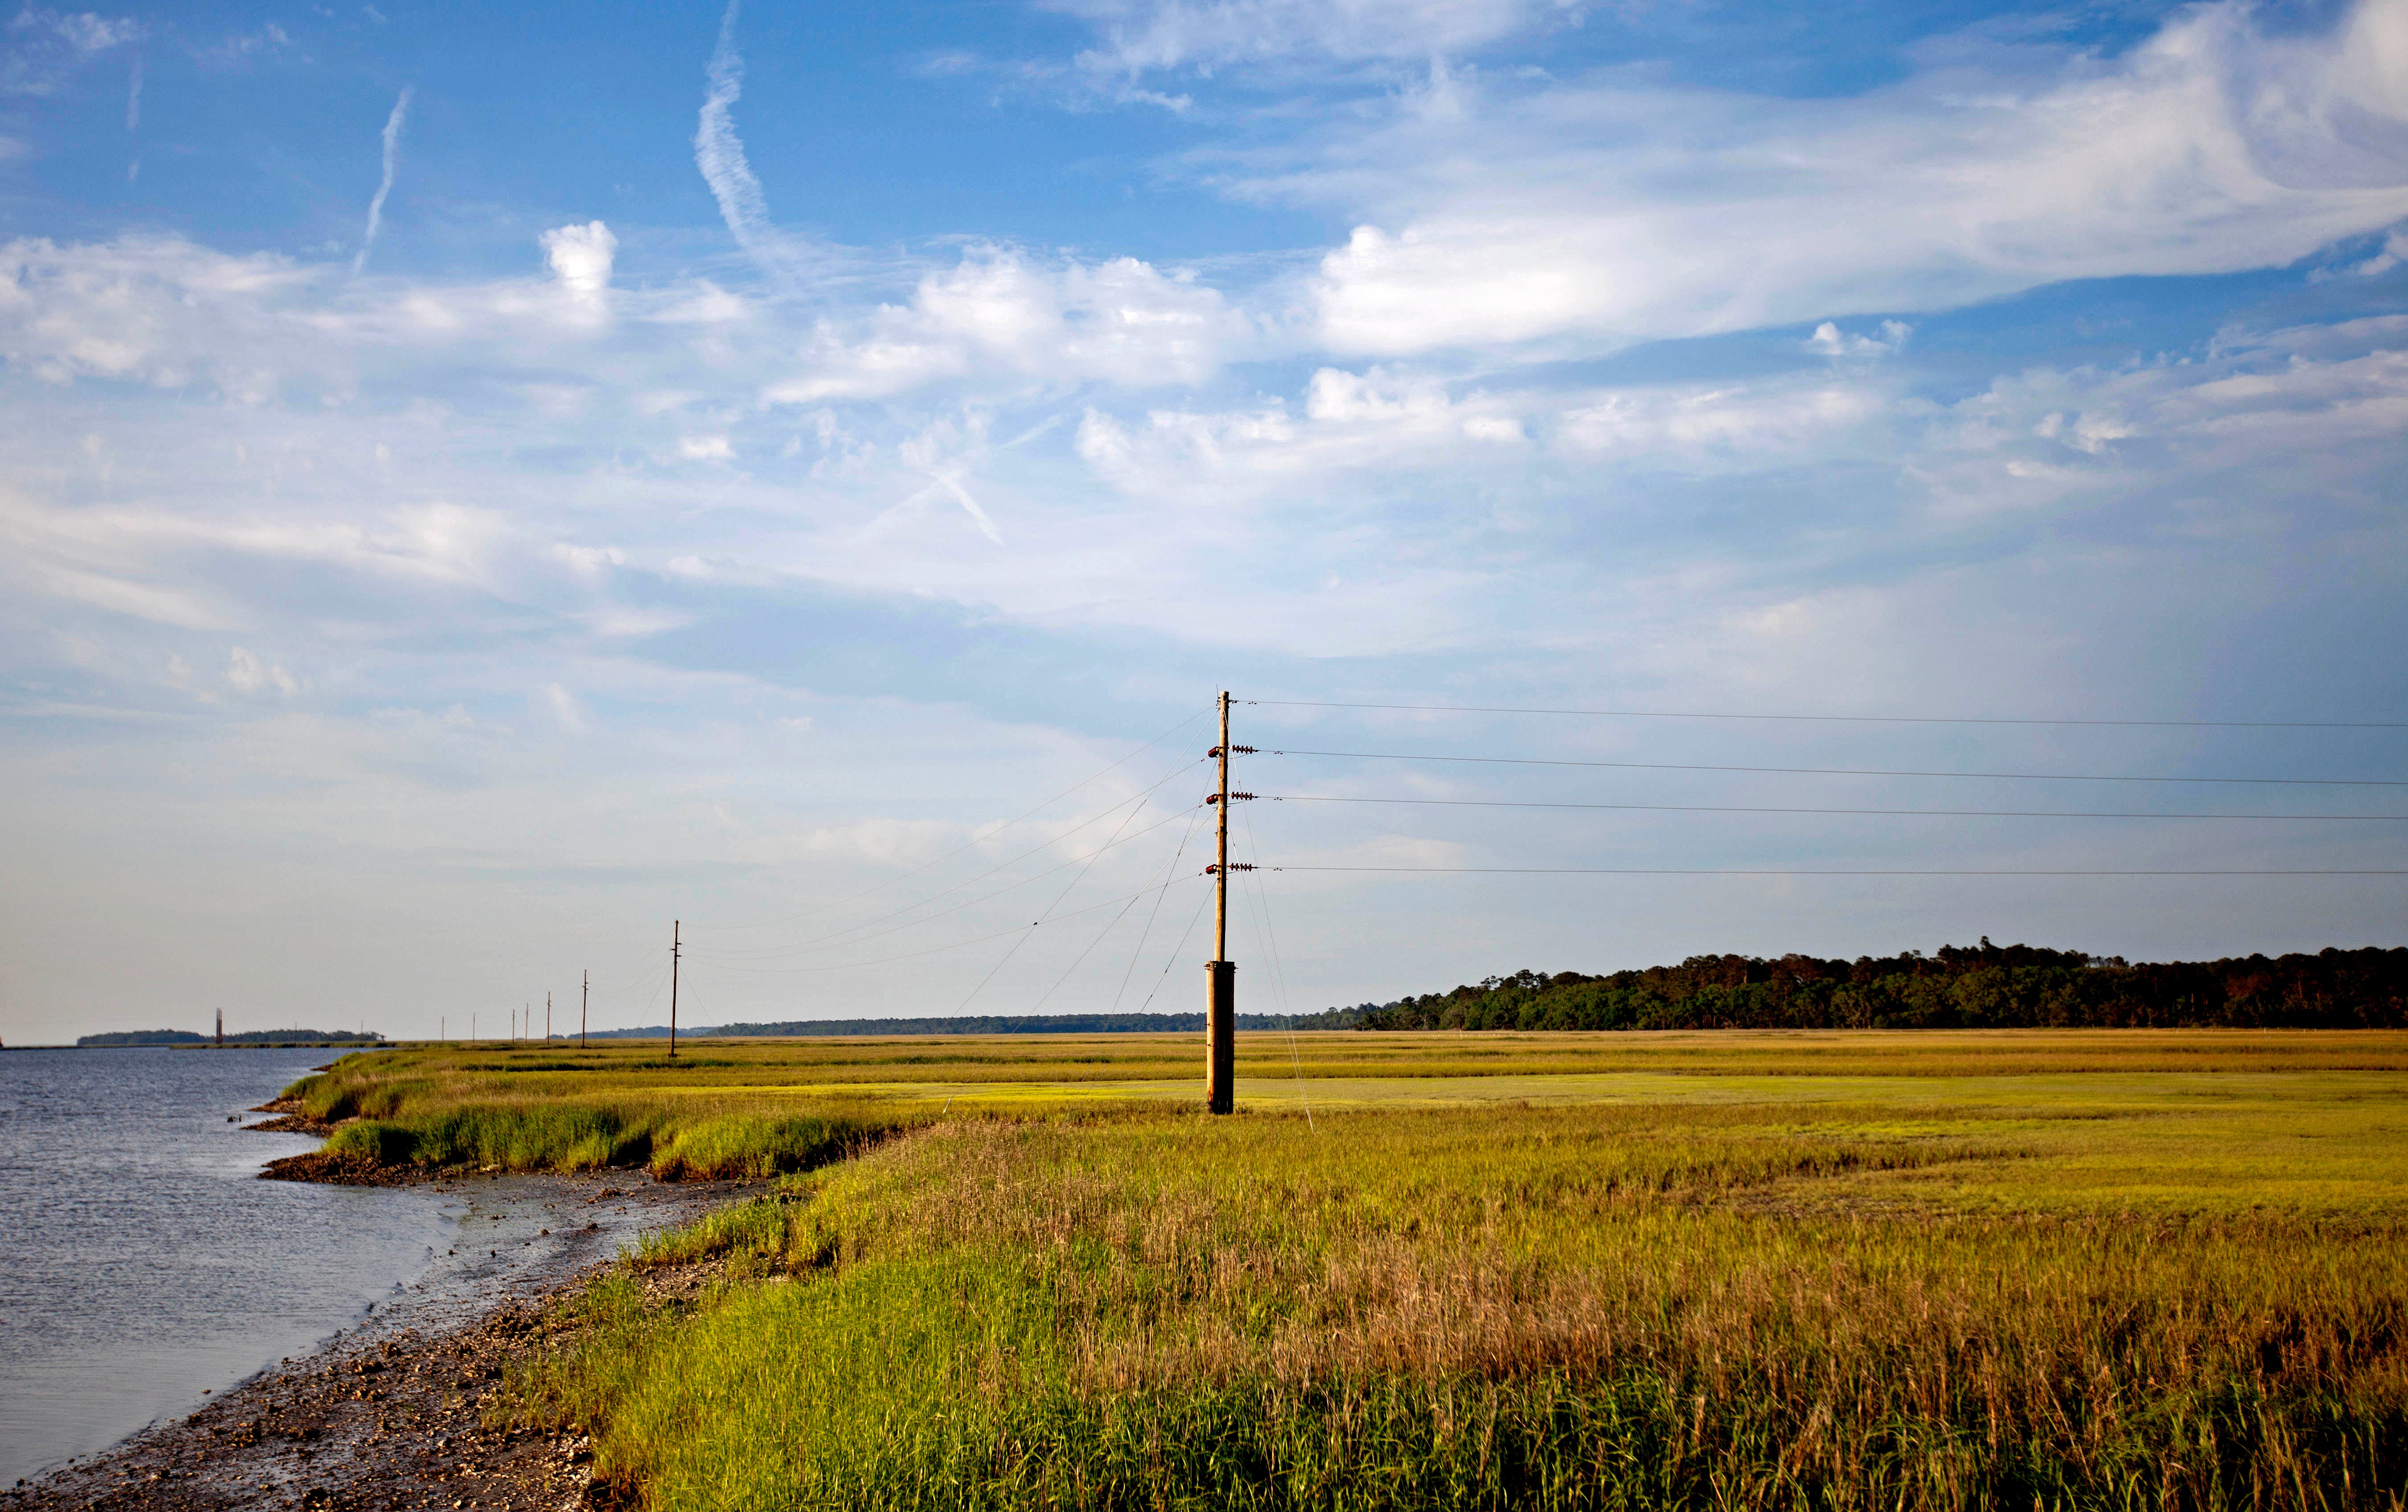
(142, 1262)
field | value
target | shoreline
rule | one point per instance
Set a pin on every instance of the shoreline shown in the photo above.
(387, 1413)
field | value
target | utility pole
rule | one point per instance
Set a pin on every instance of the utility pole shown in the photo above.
(1221, 1003)
(585, 996)
(547, 1019)
(674, 926)
(220, 1029)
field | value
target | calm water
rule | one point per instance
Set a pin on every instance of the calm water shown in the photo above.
(142, 1262)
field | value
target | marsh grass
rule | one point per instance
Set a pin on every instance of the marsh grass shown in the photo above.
(711, 1140)
(1614, 1306)
(747, 1107)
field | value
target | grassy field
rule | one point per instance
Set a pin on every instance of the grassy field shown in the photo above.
(2061, 1270)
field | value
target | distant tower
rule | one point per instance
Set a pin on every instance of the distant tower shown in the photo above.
(220, 1029)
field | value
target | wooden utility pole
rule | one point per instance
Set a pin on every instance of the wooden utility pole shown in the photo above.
(1221, 1003)
(674, 926)
(584, 998)
(547, 1018)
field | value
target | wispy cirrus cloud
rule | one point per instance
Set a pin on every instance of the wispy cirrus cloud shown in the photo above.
(49, 47)
(1610, 207)
(83, 31)
(1144, 36)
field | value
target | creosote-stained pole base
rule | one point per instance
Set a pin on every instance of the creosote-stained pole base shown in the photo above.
(1221, 1030)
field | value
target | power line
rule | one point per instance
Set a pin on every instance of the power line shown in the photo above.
(1176, 951)
(1847, 718)
(722, 958)
(1749, 808)
(1139, 798)
(975, 840)
(1841, 771)
(934, 949)
(1146, 934)
(1681, 871)
(1068, 889)
(1066, 892)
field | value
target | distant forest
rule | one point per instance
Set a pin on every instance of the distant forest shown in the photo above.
(255, 1036)
(1980, 986)
(1983, 986)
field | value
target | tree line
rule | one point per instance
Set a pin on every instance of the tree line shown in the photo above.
(1983, 986)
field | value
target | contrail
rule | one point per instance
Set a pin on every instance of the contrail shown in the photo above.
(952, 481)
(134, 96)
(391, 161)
(719, 152)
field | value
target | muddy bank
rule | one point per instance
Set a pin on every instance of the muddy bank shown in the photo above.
(390, 1414)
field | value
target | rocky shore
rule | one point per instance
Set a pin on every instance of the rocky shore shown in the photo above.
(392, 1414)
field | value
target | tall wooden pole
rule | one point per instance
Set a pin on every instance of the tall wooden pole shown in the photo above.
(1221, 1006)
(584, 998)
(1221, 848)
(674, 926)
(546, 1018)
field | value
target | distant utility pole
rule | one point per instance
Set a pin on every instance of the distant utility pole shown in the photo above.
(220, 1029)
(674, 926)
(547, 1018)
(585, 997)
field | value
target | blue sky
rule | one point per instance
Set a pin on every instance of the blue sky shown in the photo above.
(478, 484)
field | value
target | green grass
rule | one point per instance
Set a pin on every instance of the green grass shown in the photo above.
(1955, 1271)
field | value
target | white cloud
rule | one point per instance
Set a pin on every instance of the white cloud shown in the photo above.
(705, 448)
(581, 259)
(1610, 210)
(997, 314)
(2395, 251)
(268, 38)
(564, 709)
(706, 304)
(51, 47)
(250, 675)
(1336, 395)
(83, 31)
(1139, 36)
(1828, 340)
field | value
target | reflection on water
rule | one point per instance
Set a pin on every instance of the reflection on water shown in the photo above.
(142, 1262)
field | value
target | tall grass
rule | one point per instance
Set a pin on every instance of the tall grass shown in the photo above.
(1708, 1307)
